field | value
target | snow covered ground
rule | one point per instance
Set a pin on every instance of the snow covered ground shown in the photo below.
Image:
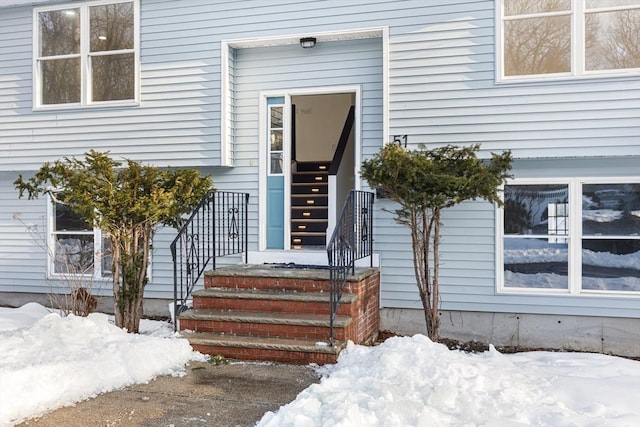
(414, 382)
(47, 361)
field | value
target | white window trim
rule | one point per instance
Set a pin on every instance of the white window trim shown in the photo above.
(85, 84)
(263, 161)
(97, 268)
(577, 50)
(575, 240)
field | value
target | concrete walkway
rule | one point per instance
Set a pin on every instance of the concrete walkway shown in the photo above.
(237, 394)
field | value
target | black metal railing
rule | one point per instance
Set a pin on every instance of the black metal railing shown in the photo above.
(352, 239)
(216, 228)
(342, 142)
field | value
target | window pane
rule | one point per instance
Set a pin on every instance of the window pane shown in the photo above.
(535, 263)
(537, 46)
(613, 40)
(60, 81)
(536, 209)
(276, 140)
(612, 265)
(276, 117)
(113, 77)
(107, 257)
(591, 4)
(67, 220)
(73, 254)
(59, 32)
(111, 27)
(522, 7)
(611, 209)
(276, 163)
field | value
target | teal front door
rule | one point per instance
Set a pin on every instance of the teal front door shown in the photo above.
(276, 168)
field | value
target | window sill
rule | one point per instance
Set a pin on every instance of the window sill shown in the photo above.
(564, 78)
(94, 106)
(566, 293)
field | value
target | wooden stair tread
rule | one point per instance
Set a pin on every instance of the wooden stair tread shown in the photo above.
(281, 344)
(271, 295)
(316, 172)
(309, 195)
(309, 207)
(309, 184)
(278, 318)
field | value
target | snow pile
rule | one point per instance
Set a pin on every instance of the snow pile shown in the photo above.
(607, 259)
(602, 215)
(414, 382)
(48, 361)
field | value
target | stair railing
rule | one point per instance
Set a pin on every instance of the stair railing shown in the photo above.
(352, 239)
(342, 142)
(217, 227)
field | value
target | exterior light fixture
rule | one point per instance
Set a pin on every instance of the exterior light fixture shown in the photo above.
(307, 42)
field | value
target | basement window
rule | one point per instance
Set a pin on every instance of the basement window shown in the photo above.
(75, 247)
(571, 236)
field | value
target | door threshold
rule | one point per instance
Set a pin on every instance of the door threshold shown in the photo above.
(304, 257)
(297, 256)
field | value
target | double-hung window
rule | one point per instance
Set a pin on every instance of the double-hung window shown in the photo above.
(76, 248)
(575, 236)
(86, 54)
(567, 38)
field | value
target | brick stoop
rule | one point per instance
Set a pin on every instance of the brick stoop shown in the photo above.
(262, 312)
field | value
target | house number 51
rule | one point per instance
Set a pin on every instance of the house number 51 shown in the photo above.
(400, 140)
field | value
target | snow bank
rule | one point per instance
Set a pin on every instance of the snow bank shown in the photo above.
(48, 361)
(414, 382)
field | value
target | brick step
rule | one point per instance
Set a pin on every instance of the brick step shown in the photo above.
(293, 351)
(270, 301)
(266, 277)
(264, 324)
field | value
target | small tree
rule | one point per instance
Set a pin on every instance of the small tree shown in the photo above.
(424, 182)
(128, 203)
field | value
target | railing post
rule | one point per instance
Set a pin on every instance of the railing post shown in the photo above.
(214, 210)
(246, 228)
(370, 233)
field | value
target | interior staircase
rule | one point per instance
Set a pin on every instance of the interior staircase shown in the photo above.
(309, 200)
(280, 314)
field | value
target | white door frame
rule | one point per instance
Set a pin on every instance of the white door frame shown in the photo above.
(227, 47)
(263, 161)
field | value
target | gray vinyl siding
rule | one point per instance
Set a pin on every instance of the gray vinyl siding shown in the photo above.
(441, 89)
(22, 262)
(441, 85)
